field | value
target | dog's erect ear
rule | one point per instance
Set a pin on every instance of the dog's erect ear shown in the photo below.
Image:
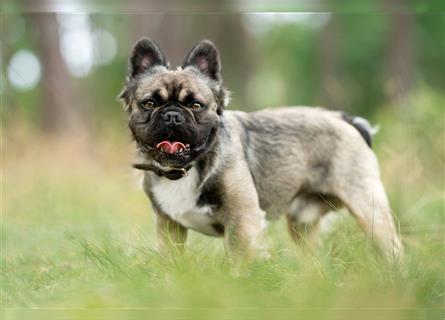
(145, 55)
(205, 58)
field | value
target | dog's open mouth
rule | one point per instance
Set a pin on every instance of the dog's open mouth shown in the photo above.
(172, 147)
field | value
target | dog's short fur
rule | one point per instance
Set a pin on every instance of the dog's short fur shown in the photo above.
(229, 171)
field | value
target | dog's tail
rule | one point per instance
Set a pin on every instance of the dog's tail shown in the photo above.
(363, 126)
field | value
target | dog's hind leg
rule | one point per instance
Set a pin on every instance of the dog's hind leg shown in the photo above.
(303, 219)
(367, 202)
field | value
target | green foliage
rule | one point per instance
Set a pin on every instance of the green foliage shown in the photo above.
(356, 49)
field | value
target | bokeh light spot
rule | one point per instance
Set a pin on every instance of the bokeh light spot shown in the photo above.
(105, 47)
(24, 70)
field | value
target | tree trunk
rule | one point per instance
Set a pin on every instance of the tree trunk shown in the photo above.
(332, 94)
(61, 108)
(399, 61)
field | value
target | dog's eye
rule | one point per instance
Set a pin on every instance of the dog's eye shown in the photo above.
(148, 104)
(196, 106)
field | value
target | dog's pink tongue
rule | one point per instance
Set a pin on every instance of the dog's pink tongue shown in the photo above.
(170, 147)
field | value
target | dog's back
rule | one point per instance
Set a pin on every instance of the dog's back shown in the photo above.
(299, 149)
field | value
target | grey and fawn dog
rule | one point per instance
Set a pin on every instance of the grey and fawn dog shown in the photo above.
(224, 173)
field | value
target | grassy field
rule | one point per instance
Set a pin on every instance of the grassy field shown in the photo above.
(78, 240)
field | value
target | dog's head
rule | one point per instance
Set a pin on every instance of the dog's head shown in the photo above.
(173, 113)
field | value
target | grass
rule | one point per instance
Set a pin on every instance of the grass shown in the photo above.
(78, 242)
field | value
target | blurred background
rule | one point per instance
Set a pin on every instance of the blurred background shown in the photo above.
(71, 208)
(62, 72)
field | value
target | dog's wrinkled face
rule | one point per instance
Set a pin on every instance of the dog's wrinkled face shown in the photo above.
(173, 114)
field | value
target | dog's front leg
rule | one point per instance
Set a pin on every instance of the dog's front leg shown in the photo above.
(244, 235)
(171, 235)
(244, 221)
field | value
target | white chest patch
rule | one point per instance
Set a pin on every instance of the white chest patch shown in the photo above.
(178, 198)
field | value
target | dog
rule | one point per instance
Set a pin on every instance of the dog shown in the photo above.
(224, 173)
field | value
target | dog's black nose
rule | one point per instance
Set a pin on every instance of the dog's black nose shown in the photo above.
(173, 117)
